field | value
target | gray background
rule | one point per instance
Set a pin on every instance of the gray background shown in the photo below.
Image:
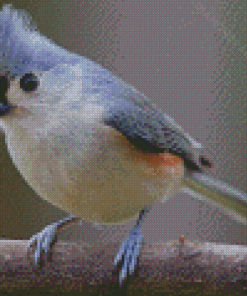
(178, 55)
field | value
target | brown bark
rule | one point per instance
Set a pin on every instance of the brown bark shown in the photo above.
(86, 268)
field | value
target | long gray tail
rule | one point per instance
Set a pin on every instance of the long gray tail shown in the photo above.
(222, 195)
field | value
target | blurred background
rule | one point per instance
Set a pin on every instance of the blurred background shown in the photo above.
(187, 56)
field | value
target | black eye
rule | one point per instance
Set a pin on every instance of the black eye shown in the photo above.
(29, 82)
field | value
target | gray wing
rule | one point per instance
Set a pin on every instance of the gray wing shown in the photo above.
(140, 120)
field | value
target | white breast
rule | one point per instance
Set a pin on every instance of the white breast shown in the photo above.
(87, 170)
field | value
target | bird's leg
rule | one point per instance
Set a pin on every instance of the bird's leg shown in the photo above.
(130, 248)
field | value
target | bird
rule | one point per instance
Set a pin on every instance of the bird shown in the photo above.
(88, 142)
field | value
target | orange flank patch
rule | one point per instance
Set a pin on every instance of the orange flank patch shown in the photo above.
(160, 164)
(160, 159)
(154, 163)
(153, 159)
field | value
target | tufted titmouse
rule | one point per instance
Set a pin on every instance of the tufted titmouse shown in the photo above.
(88, 142)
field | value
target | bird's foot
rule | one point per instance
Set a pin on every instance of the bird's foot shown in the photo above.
(129, 252)
(45, 239)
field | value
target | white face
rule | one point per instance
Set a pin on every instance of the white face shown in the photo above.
(25, 91)
(35, 91)
(26, 96)
(35, 94)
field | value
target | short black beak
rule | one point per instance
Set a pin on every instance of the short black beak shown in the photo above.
(4, 110)
(4, 106)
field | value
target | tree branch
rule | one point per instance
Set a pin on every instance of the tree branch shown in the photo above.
(80, 266)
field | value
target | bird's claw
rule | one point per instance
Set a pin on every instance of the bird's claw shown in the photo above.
(45, 239)
(129, 252)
